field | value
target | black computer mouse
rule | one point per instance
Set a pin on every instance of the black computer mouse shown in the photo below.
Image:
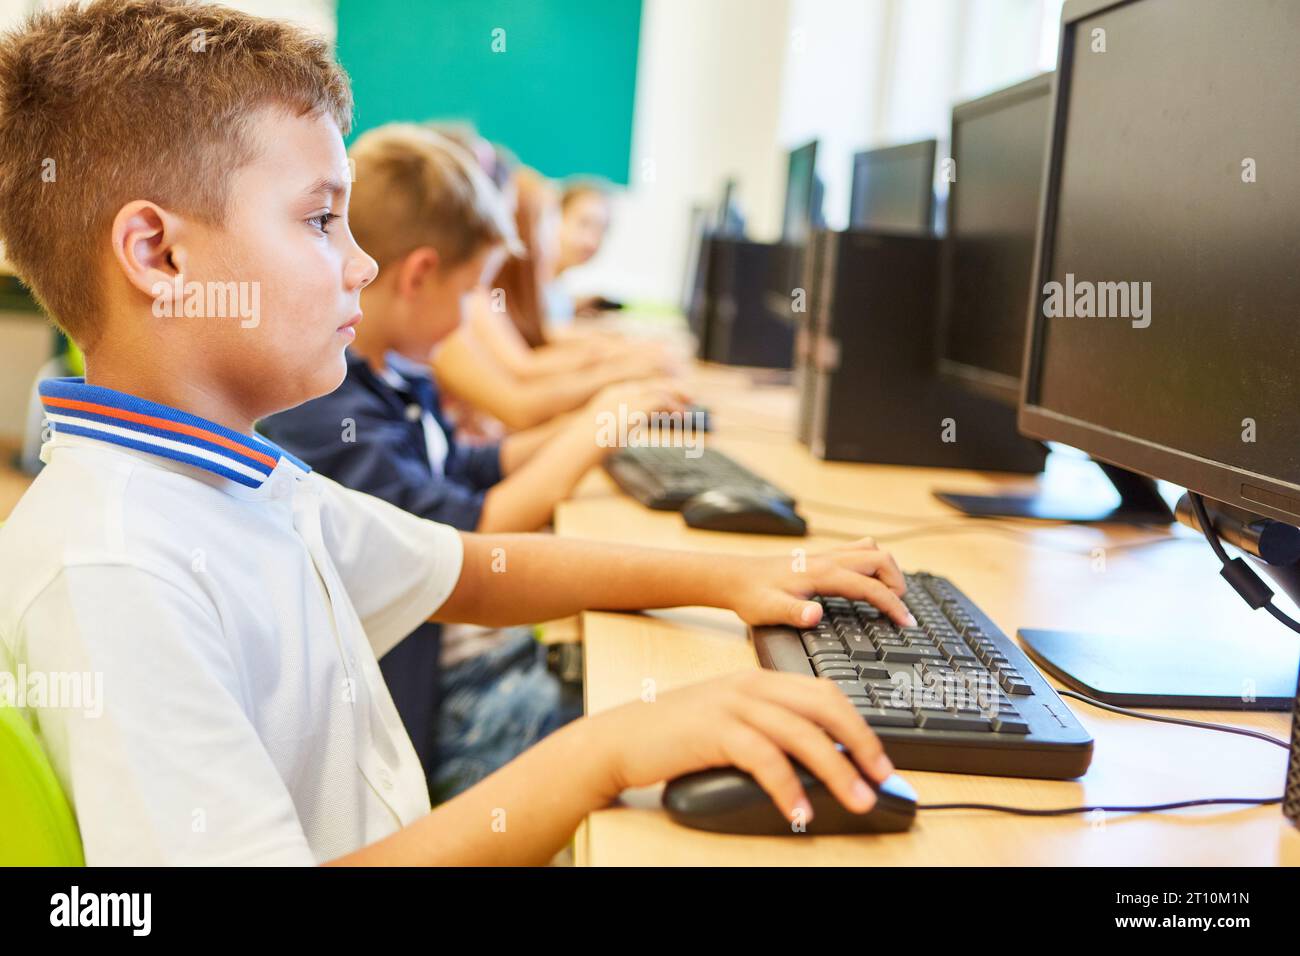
(732, 509)
(699, 417)
(728, 800)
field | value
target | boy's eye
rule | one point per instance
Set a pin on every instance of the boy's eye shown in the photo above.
(322, 221)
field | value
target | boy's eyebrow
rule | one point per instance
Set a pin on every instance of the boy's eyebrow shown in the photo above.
(325, 186)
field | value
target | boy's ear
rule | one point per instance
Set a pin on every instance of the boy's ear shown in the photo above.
(144, 245)
(419, 266)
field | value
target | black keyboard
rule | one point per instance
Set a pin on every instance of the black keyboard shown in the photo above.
(952, 694)
(666, 477)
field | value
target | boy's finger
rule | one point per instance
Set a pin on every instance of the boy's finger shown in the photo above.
(822, 703)
(794, 611)
(809, 744)
(880, 564)
(857, 586)
(753, 753)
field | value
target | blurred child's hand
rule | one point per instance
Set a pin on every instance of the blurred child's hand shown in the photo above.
(646, 360)
(755, 721)
(776, 590)
(644, 395)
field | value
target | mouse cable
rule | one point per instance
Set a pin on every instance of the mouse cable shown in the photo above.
(1237, 572)
(1139, 808)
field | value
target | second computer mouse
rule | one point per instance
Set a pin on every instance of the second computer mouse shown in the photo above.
(699, 417)
(728, 800)
(731, 509)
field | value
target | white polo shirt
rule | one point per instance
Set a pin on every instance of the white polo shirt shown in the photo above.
(235, 604)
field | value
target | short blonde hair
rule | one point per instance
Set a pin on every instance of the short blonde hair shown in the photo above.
(415, 187)
(136, 99)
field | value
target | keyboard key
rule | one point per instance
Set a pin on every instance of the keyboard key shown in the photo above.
(887, 716)
(853, 688)
(880, 632)
(870, 671)
(1016, 687)
(821, 644)
(900, 655)
(945, 720)
(838, 673)
(862, 650)
(1010, 726)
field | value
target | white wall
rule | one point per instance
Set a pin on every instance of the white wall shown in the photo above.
(832, 69)
(725, 87)
(708, 106)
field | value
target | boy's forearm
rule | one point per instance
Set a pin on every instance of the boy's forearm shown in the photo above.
(518, 579)
(520, 446)
(523, 814)
(526, 500)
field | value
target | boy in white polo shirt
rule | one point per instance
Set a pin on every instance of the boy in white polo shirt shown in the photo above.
(173, 187)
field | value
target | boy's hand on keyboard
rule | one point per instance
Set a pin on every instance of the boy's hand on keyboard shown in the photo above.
(756, 721)
(777, 590)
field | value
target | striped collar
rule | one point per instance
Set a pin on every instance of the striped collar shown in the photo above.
(75, 408)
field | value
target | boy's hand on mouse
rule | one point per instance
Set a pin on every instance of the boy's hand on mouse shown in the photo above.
(757, 721)
(777, 590)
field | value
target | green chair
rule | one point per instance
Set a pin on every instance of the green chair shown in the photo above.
(37, 827)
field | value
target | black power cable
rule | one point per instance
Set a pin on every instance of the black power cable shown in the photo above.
(1137, 808)
(1257, 594)
(1237, 572)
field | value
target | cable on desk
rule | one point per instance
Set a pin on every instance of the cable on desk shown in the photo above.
(1023, 526)
(866, 513)
(1107, 808)
(981, 526)
(1135, 808)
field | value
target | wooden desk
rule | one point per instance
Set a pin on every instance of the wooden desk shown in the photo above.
(1022, 574)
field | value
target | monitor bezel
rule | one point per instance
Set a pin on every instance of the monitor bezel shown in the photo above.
(928, 148)
(1259, 494)
(809, 147)
(984, 381)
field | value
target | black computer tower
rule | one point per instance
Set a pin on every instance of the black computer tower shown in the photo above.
(869, 388)
(744, 315)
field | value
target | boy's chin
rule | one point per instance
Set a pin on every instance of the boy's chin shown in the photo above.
(320, 379)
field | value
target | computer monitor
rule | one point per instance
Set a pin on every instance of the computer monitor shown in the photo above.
(803, 195)
(893, 188)
(696, 266)
(998, 145)
(1162, 332)
(730, 218)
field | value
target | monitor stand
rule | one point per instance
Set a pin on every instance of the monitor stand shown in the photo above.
(1219, 671)
(1195, 670)
(1139, 503)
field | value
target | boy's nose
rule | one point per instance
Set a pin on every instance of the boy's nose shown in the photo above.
(362, 270)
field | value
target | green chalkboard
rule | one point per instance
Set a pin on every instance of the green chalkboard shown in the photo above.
(554, 80)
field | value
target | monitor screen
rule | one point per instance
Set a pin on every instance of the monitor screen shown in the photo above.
(893, 188)
(998, 146)
(1165, 327)
(800, 189)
